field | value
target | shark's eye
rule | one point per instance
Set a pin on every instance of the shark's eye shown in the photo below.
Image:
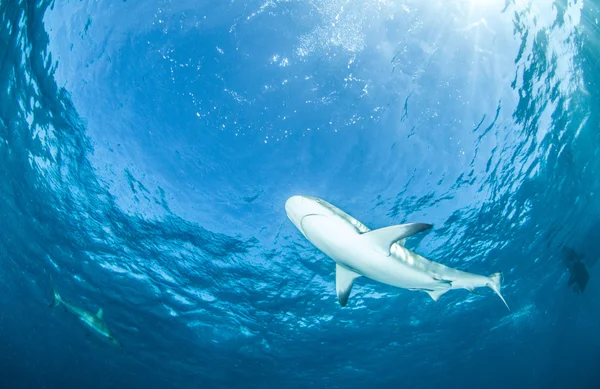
(318, 201)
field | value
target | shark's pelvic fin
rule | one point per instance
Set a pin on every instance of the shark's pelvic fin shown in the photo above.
(344, 279)
(472, 290)
(495, 284)
(435, 294)
(385, 237)
(100, 313)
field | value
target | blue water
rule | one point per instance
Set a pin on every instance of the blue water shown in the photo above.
(147, 149)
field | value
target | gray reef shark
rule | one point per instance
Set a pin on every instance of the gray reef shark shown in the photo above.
(378, 254)
(95, 322)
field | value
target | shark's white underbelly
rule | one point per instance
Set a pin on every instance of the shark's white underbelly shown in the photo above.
(342, 243)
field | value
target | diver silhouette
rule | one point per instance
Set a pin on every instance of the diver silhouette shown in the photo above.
(579, 274)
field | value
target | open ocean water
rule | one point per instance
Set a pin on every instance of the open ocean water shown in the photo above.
(147, 149)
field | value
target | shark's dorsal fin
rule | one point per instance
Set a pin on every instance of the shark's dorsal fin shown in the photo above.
(435, 294)
(384, 238)
(100, 313)
(344, 278)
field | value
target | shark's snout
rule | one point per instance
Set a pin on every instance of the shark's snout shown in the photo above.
(300, 207)
(293, 209)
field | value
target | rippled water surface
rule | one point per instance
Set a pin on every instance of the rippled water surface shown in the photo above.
(147, 149)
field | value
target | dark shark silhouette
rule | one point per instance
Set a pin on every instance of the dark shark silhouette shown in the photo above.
(579, 274)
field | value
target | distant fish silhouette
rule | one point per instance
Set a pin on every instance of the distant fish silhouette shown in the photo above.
(95, 322)
(579, 274)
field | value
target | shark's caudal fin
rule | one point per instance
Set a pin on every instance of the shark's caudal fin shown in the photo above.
(344, 278)
(495, 284)
(56, 300)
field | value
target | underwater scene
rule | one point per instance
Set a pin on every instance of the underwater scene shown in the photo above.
(299, 194)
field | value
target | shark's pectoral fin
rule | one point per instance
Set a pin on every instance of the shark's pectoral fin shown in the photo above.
(344, 279)
(100, 314)
(383, 238)
(435, 294)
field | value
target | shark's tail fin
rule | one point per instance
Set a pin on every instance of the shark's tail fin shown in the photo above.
(495, 284)
(56, 298)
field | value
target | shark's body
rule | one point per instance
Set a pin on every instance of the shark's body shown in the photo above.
(95, 322)
(379, 254)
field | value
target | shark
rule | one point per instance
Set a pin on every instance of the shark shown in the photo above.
(95, 322)
(378, 254)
